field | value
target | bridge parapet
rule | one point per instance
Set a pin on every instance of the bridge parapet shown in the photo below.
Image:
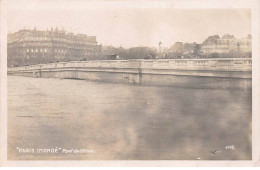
(218, 73)
(218, 64)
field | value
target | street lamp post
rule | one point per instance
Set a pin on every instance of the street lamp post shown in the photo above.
(160, 43)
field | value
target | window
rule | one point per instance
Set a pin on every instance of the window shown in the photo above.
(28, 50)
(32, 50)
(45, 50)
(36, 50)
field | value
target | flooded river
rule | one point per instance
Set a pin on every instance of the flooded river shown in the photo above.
(125, 122)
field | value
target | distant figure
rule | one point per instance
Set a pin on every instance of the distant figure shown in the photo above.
(214, 152)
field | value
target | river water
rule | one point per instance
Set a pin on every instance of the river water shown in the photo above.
(125, 122)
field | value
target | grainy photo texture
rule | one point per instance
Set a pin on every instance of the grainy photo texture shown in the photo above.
(128, 83)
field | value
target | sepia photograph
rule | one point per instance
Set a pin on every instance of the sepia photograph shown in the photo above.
(121, 81)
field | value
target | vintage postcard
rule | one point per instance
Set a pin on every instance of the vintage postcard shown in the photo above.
(130, 83)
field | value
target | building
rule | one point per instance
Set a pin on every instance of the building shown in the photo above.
(189, 47)
(33, 47)
(227, 43)
(177, 47)
(109, 50)
(245, 44)
(180, 47)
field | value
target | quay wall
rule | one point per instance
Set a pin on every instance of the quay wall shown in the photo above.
(193, 73)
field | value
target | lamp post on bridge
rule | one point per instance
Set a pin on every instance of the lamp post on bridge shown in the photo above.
(160, 52)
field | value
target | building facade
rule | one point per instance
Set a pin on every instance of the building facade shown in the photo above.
(227, 43)
(177, 47)
(34, 47)
(180, 47)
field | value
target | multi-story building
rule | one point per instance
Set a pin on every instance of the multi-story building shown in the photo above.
(189, 47)
(180, 47)
(245, 44)
(34, 47)
(226, 44)
(177, 47)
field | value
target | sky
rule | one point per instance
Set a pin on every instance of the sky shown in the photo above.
(132, 27)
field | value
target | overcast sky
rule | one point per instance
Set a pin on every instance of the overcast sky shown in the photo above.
(136, 27)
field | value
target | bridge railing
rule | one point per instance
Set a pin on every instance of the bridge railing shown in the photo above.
(243, 64)
(200, 64)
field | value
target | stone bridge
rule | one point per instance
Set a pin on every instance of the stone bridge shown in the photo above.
(220, 73)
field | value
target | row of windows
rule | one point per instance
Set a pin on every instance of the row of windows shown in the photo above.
(37, 38)
(38, 44)
(50, 39)
(36, 50)
(55, 45)
(56, 50)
